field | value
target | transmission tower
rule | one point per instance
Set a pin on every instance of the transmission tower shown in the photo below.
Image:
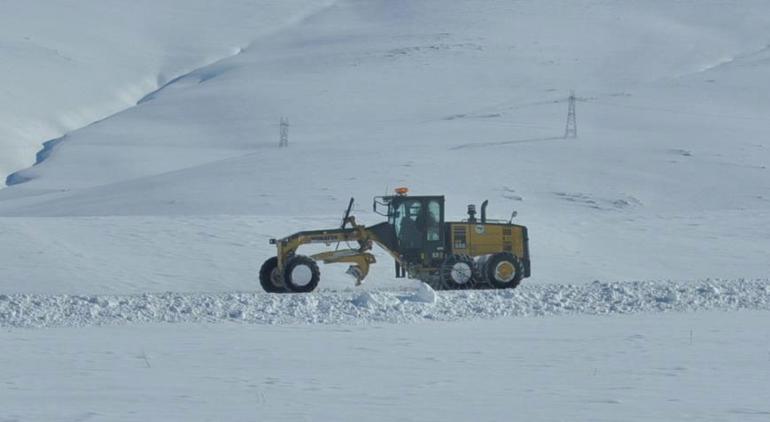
(570, 131)
(284, 142)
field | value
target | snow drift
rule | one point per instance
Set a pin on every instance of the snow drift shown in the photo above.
(353, 307)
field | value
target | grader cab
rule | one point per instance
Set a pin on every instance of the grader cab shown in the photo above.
(473, 253)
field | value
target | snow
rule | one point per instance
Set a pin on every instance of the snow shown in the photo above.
(353, 306)
(139, 143)
(425, 294)
(668, 176)
(66, 65)
(664, 367)
(223, 253)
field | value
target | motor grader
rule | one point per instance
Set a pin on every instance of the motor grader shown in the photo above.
(468, 254)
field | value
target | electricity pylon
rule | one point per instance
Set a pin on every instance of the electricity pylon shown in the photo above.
(284, 142)
(570, 131)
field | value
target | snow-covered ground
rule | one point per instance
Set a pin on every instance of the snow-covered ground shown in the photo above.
(139, 144)
(711, 366)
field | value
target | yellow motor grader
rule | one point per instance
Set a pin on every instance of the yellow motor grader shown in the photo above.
(468, 254)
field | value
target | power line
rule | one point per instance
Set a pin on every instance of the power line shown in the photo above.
(677, 111)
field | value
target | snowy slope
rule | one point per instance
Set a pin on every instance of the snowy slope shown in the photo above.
(66, 64)
(152, 254)
(668, 178)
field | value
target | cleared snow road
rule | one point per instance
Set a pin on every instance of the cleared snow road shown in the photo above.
(393, 306)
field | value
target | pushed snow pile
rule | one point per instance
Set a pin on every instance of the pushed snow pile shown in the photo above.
(425, 294)
(383, 306)
(366, 300)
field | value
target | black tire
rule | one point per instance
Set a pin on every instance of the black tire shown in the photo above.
(270, 278)
(503, 271)
(310, 277)
(458, 272)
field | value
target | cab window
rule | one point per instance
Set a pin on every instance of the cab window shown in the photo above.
(432, 229)
(406, 225)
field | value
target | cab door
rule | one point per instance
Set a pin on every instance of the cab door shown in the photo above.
(407, 217)
(418, 222)
(433, 231)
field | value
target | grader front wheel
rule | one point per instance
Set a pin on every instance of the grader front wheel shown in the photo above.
(301, 274)
(270, 278)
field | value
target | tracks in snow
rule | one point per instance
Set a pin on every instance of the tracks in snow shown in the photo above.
(357, 306)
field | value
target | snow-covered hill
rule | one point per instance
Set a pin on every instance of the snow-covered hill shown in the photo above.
(668, 178)
(66, 64)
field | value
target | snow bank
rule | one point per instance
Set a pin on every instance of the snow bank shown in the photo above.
(391, 306)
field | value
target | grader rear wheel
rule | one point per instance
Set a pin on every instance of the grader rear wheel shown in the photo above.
(503, 271)
(458, 272)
